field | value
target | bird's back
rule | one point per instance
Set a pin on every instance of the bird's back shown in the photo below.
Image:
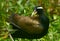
(27, 24)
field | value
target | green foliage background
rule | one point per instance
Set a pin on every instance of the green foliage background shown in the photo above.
(25, 7)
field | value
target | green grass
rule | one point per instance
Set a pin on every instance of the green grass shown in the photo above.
(25, 8)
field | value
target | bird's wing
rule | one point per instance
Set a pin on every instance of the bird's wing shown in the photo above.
(27, 24)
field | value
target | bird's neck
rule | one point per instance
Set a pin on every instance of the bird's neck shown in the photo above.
(44, 20)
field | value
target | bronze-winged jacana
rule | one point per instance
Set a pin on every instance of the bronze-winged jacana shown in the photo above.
(30, 27)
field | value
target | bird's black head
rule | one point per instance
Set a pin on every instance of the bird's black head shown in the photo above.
(39, 10)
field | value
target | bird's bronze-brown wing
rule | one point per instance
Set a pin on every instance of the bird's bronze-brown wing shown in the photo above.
(28, 24)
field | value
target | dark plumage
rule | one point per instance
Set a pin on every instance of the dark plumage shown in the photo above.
(30, 27)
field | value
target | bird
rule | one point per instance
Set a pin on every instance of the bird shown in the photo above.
(33, 27)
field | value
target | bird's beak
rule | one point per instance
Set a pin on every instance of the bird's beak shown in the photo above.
(34, 13)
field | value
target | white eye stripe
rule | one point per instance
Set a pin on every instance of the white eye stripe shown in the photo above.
(39, 7)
